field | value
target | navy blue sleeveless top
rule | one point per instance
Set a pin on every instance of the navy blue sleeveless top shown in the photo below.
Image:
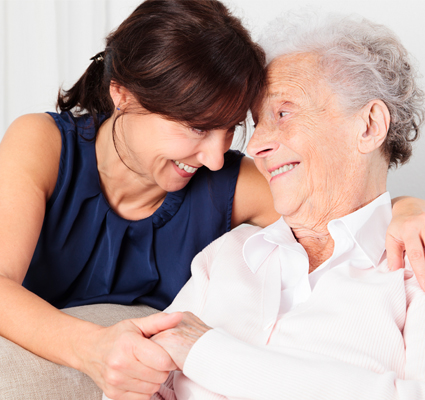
(87, 254)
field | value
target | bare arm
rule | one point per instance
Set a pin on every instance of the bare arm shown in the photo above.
(29, 163)
(253, 201)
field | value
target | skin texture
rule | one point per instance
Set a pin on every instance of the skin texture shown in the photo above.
(179, 340)
(301, 122)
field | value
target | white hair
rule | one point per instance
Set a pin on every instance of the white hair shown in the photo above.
(361, 61)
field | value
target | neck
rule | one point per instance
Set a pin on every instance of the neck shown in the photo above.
(131, 195)
(309, 223)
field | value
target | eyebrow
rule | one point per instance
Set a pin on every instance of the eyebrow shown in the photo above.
(276, 94)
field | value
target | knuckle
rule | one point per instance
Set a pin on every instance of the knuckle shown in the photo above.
(163, 362)
(115, 364)
(414, 223)
(415, 255)
(113, 378)
(420, 275)
(112, 393)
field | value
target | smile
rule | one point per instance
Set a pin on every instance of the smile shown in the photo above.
(283, 169)
(187, 168)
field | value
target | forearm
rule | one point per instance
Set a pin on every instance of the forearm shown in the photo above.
(40, 328)
(225, 365)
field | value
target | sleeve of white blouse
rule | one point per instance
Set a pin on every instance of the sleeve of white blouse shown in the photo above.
(414, 331)
(227, 366)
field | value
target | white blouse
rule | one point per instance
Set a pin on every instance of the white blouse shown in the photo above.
(354, 331)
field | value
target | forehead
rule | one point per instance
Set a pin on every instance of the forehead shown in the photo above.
(297, 78)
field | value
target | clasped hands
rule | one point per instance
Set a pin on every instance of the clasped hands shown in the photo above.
(143, 352)
(178, 341)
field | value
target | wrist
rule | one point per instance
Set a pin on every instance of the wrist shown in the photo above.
(81, 345)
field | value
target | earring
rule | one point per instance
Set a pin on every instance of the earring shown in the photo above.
(119, 109)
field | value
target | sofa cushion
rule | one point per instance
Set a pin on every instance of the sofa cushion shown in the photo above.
(25, 376)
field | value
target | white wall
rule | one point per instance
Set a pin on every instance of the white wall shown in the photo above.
(47, 43)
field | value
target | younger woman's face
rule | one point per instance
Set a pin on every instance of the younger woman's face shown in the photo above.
(168, 153)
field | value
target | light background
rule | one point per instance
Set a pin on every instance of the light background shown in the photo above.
(48, 43)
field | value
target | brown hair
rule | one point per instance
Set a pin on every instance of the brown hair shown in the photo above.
(187, 60)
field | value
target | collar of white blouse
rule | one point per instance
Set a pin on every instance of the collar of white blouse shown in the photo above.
(359, 242)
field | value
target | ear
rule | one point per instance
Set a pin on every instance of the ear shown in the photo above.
(119, 94)
(377, 121)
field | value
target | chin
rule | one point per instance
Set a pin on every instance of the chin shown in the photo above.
(285, 207)
(175, 186)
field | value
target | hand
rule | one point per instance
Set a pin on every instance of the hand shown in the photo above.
(406, 234)
(178, 341)
(124, 363)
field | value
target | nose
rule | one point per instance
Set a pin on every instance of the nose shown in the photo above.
(262, 143)
(212, 152)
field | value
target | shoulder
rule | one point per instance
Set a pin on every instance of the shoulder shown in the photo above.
(31, 147)
(35, 124)
(36, 133)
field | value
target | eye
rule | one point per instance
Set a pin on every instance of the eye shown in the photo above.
(283, 114)
(200, 132)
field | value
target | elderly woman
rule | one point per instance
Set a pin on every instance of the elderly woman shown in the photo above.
(307, 307)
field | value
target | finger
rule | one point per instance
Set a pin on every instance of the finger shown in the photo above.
(157, 322)
(120, 395)
(134, 371)
(135, 396)
(415, 254)
(395, 253)
(153, 356)
(135, 356)
(135, 386)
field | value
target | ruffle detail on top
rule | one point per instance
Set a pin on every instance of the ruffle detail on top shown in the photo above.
(168, 208)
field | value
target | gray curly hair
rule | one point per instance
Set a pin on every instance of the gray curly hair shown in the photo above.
(362, 61)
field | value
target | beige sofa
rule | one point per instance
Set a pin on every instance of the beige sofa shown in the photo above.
(24, 376)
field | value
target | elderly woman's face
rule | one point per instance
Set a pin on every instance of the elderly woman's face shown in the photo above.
(304, 143)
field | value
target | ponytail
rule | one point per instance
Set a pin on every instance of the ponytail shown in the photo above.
(90, 94)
